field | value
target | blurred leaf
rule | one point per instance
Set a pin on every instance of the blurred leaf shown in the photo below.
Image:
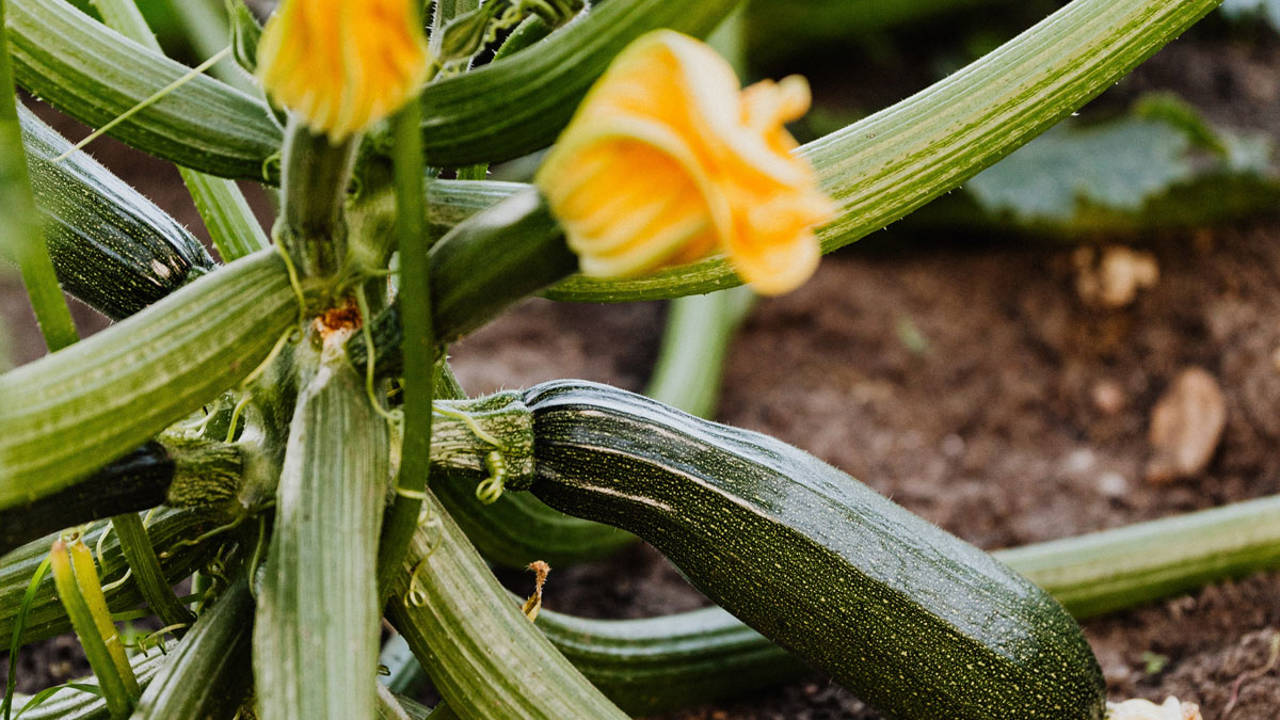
(1117, 165)
(1172, 109)
(1269, 9)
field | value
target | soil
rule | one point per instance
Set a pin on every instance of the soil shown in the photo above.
(969, 381)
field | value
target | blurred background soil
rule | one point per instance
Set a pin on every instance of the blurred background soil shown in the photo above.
(974, 379)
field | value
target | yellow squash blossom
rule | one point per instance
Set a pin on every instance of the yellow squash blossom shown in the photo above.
(667, 161)
(342, 65)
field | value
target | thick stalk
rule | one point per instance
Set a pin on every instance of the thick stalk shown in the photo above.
(314, 188)
(95, 75)
(208, 675)
(483, 654)
(231, 224)
(315, 642)
(499, 112)
(69, 413)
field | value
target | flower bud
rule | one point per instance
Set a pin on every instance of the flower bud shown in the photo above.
(667, 161)
(343, 65)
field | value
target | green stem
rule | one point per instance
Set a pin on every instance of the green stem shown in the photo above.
(18, 208)
(206, 27)
(147, 572)
(47, 618)
(419, 347)
(69, 413)
(231, 224)
(314, 191)
(485, 657)
(114, 690)
(694, 344)
(885, 166)
(209, 674)
(95, 75)
(315, 641)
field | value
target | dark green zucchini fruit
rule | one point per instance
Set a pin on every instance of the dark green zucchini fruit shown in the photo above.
(914, 620)
(111, 247)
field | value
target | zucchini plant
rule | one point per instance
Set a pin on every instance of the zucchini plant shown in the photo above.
(283, 425)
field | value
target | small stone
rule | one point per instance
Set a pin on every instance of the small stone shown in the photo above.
(1112, 276)
(1113, 484)
(1108, 397)
(1186, 426)
(1079, 460)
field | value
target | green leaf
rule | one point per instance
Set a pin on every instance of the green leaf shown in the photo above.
(1116, 165)
(1269, 9)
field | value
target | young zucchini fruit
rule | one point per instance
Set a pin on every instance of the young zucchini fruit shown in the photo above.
(914, 620)
(111, 247)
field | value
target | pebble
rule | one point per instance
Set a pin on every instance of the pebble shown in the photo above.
(1108, 397)
(1186, 426)
(1113, 484)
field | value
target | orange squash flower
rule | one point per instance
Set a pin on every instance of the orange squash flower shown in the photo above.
(667, 161)
(343, 65)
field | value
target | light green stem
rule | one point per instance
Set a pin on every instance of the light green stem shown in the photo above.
(885, 166)
(419, 346)
(147, 573)
(118, 697)
(69, 413)
(691, 360)
(231, 224)
(486, 658)
(22, 226)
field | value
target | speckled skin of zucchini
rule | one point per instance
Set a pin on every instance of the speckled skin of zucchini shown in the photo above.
(111, 247)
(914, 620)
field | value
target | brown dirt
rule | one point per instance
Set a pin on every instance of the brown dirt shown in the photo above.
(1022, 416)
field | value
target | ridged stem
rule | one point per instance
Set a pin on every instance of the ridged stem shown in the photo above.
(69, 413)
(231, 224)
(148, 574)
(315, 642)
(313, 192)
(484, 655)
(885, 166)
(208, 675)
